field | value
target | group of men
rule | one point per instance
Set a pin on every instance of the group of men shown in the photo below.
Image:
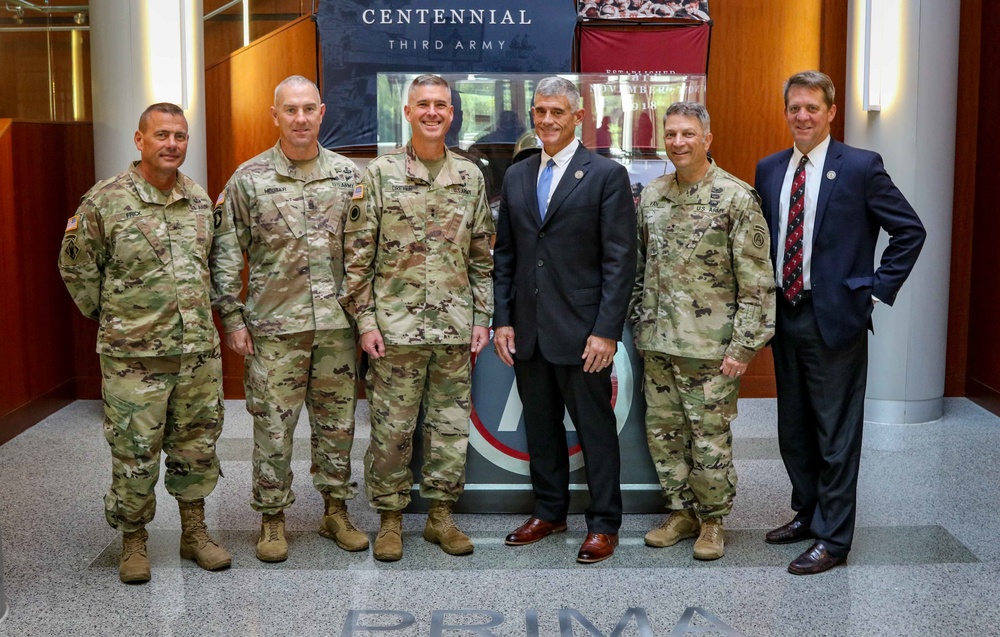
(399, 260)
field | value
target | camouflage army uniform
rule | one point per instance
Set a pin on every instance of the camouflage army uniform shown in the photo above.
(136, 260)
(419, 270)
(291, 227)
(704, 290)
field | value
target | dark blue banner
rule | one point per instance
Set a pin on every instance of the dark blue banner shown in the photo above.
(360, 38)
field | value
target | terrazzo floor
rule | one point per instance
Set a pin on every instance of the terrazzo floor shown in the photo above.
(925, 562)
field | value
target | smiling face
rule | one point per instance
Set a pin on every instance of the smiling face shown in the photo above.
(808, 116)
(297, 112)
(429, 112)
(163, 142)
(686, 143)
(555, 122)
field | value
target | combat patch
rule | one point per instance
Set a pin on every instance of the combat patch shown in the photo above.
(217, 216)
(73, 223)
(355, 212)
(72, 250)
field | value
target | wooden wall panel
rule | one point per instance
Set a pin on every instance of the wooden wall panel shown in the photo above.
(53, 167)
(966, 124)
(237, 112)
(983, 377)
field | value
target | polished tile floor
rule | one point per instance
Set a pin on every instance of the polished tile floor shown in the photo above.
(926, 559)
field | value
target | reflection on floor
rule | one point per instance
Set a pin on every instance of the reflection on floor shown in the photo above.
(925, 560)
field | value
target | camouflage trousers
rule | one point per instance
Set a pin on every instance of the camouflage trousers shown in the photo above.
(173, 403)
(438, 377)
(689, 405)
(315, 368)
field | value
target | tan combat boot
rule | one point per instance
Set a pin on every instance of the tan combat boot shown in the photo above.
(271, 545)
(711, 544)
(338, 527)
(134, 566)
(389, 541)
(680, 525)
(196, 543)
(441, 529)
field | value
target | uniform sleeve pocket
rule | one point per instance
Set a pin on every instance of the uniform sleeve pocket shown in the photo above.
(587, 296)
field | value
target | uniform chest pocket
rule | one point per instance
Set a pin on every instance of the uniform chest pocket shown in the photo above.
(399, 216)
(707, 242)
(282, 219)
(140, 241)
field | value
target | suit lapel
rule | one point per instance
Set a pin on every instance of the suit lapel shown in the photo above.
(834, 158)
(576, 170)
(530, 185)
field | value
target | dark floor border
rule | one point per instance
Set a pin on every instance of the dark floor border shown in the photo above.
(23, 418)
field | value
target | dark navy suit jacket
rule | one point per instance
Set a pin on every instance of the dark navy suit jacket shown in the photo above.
(560, 280)
(856, 200)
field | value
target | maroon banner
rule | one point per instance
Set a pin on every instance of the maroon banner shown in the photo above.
(637, 50)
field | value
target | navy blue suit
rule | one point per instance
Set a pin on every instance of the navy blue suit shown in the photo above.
(821, 344)
(556, 282)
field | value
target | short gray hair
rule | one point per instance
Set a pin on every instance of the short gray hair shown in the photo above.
(427, 80)
(812, 80)
(691, 109)
(293, 80)
(556, 86)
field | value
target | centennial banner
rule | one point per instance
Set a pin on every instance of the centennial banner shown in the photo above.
(635, 50)
(643, 9)
(360, 38)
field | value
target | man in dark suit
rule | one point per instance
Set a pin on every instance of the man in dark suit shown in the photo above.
(564, 264)
(825, 203)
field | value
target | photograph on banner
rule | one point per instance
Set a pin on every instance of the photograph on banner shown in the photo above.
(359, 39)
(632, 9)
(493, 127)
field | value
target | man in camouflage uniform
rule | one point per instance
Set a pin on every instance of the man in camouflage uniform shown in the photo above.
(418, 282)
(134, 257)
(703, 304)
(286, 209)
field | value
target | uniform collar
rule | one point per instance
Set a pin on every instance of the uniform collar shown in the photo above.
(151, 194)
(284, 166)
(450, 174)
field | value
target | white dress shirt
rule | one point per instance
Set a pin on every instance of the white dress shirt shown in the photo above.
(562, 160)
(814, 178)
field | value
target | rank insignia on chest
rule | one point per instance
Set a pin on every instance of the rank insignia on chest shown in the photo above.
(359, 193)
(73, 223)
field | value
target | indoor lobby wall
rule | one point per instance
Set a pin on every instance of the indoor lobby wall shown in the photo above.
(756, 45)
(973, 360)
(239, 93)
(44, 169)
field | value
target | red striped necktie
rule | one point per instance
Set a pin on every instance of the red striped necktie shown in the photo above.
(791, 271)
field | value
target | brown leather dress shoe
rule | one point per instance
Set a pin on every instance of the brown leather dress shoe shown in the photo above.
(597, 547)
(534, 530)
(816, 560)
(794, 531)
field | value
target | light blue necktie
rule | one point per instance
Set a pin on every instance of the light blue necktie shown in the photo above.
(544, 185)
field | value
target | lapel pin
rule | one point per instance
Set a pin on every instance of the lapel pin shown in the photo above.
(578, 174)
(831, 174)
